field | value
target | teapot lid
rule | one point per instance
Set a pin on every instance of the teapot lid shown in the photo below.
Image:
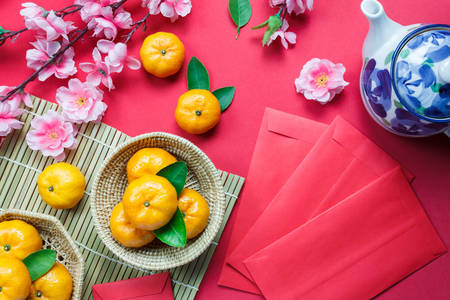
(421, 72)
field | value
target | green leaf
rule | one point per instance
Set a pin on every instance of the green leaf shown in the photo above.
(225, 96)
(197, 75)
(398, 104)
(240, 11)
(40, 262)
(388, 57)
(176, 174)
(174, 232)
(435, 87)
(262, 25)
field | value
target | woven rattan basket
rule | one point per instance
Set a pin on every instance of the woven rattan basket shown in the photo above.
(111, 182)
(55, 237)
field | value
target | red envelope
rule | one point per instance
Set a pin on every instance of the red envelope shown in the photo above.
(342, 161)
(283, 141)
(150, 287)
(354, 250)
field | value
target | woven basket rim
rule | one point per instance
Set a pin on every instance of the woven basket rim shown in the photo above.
(220, 196)
(60, 226)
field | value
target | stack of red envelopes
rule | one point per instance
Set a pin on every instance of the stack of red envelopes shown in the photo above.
(325, 214)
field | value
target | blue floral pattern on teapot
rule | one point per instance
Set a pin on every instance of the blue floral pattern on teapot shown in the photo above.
(401, 88)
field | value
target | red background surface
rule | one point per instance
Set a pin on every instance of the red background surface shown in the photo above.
(263, 77)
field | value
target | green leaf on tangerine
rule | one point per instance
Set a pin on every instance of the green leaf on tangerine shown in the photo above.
(225, 96)
(176, 174)
(40, 262)
(197, 75)
(174, 232)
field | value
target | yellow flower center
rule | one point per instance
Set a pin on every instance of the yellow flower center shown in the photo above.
(53, 135)
(321, 80)
(81, 101)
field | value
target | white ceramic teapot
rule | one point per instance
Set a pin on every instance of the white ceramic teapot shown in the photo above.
(405, 79)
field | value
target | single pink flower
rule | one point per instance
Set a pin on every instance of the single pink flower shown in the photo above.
(43, 51)
(18, 97)
(51, 134)
(117, 56)
(92, 8)
(296, 6)
(99, 71)
(321, 80)
(174, 8)
(9, 111)
(285, 37)
(31, 10)
(81, 102)
(110, 22)
(46, 23)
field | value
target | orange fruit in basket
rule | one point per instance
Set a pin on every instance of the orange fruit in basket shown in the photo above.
(150, 202)
(61, 185)
(197, 111)
(19, 239)
(148, 161)
(162, 54)
(56, 284)
(125, 233)
(15, 280)
(195, 210)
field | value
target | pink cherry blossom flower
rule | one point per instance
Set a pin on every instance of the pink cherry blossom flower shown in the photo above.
(51, 134)
(43, 51)
(47, 24)
(321, 80)
(31, 10)
(174, 8)
(9, 111)
(117, 56)
(152, 5)
(99, 71)
(296, 6)
(18, 97)
(285, 37)
(81, 102)
(110, 22)
(92, 8)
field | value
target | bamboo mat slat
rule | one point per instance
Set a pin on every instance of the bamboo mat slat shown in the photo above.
(20, 167)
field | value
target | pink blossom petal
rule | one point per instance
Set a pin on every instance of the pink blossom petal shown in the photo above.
(87, 67)
(133, 63)
(104, 46)
(291, 37)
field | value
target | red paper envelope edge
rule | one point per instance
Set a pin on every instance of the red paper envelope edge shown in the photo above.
(150, 287)
(354, 250)
(282, 143)
(342, 161)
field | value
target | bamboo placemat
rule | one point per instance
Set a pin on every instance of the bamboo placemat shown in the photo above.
(20, 167)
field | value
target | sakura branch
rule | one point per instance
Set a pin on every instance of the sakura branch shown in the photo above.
(277, 25)
(52, 55)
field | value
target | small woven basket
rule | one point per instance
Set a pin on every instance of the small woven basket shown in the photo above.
(54, 236)
(111, 182)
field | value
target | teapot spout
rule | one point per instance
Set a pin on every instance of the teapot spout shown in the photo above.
(381, 29)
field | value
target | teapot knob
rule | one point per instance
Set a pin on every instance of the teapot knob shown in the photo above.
(444, 70)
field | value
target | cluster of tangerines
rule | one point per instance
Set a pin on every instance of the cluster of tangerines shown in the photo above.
(18, 240)
(198, 110)
(150, 201)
